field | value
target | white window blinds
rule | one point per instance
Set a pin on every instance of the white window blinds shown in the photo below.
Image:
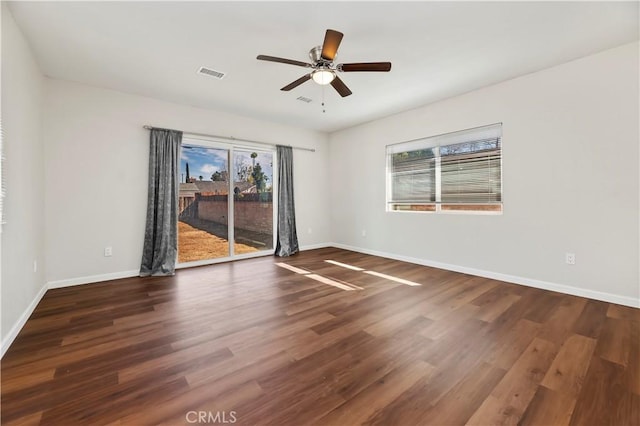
(413, 178)
(460, 171)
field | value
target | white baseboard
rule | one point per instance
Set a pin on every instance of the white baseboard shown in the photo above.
(128, 274)
(92, 279)
(529, 282)
(13, 333)
(315, 246)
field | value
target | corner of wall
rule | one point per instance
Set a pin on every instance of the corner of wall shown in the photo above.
(22, 271)
(17, 326)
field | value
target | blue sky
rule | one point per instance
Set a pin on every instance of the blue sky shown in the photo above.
(205, 161)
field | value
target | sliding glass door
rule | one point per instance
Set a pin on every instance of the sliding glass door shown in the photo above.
(224, 212)
(253, 201)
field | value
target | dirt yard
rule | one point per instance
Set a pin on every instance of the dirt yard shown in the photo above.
(195, 244)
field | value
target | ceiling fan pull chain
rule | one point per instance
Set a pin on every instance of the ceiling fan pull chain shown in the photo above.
(323, 110)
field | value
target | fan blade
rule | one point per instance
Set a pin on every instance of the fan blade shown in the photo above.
(283, 61)
(332, 40)
(296, 83)
(365, 66)
(340, 87)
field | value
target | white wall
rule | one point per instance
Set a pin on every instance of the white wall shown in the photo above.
(96, 175)
(570, 171)
(23, 233)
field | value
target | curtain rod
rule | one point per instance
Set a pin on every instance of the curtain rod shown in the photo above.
(229, 138)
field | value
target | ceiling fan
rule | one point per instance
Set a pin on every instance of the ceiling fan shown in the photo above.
(323, 70)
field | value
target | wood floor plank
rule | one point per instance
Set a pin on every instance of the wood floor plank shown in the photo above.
(250, 371)
(11, 384)
(176, 407)
(106, 404)
(459, 404)
(393, 322)
(28, 420)
(615, 343)
(285, 330)
(540, 307)
(591, 320)
(411, 407)
(376, 397)
(633, 368)
(306, 389)
(278, 348)
(218, 410)
(515, 342)
(566, 374)
(460, 338)
(231, 367)
(529, 369)
(50, 395)
(623, 312)
(493, 296)
(451, 321)
(560, 322)
(177, 362)
(604, 399)
(509, 399)
(549, 408)
(374, 365)
(489, 312)
(455, 286)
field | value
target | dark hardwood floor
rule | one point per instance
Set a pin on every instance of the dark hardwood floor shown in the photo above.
(254, 342)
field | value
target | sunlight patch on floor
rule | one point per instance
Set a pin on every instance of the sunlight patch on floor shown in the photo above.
(392, 278)
(344, 265)
(293, 268)
(325, 280)
(341, 284)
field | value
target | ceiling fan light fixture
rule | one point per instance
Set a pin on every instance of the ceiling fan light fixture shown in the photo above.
(323, 70)
(323, 76)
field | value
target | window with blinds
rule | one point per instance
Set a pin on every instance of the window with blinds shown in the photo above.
(455, 172)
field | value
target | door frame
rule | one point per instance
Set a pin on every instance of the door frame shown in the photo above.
(210, 142)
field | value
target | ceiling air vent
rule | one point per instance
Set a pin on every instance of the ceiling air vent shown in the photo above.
(303, 99)
(213, 73)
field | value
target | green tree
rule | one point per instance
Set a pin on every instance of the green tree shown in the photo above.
(259, 178)
(219, 176)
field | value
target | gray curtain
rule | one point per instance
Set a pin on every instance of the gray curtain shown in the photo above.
(287, 238)
(161, 233)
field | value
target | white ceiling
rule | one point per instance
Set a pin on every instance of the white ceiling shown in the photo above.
(438, 49)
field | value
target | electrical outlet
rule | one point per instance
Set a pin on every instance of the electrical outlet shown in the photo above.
(108, 251)
(364, 232)
(35, 266)
(570, 258)
(309, 231)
